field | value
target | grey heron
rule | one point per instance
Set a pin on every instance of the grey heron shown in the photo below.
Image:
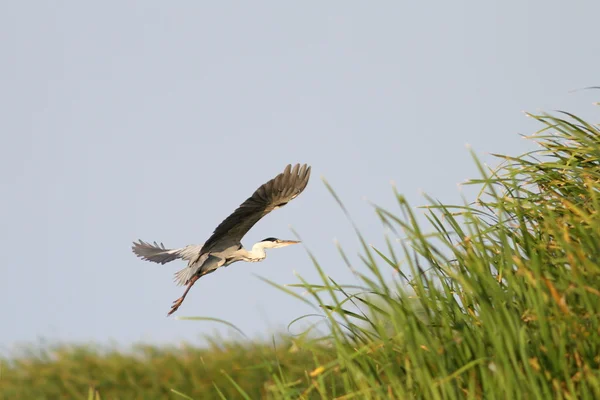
(224, 247)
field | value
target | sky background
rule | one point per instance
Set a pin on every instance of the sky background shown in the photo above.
(155, 120)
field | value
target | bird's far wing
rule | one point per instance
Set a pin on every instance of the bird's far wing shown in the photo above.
(274, 194)
(158, 253)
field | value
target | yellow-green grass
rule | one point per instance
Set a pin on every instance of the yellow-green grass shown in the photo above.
(496, 298)
(149, 372)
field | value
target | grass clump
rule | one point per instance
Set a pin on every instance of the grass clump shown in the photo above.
(491, 299)
(499, 298)
(151, 372)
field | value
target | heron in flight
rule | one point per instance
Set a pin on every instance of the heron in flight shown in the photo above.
(224, 247)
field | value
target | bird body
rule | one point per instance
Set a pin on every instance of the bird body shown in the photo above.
(224, 246)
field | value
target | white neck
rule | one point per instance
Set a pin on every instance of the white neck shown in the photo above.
(258, 251)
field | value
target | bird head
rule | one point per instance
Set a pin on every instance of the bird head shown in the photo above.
(274, 243)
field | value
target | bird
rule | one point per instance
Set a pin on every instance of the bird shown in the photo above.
(224, 246)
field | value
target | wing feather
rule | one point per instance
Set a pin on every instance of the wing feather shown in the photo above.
(275, 193)
(158, 253)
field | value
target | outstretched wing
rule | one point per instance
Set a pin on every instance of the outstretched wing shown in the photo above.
(274, 194)
(158, 253)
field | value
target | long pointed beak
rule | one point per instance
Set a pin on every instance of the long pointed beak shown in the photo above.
(288, 242)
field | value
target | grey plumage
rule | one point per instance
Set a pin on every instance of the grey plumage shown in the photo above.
(161, 255)
(224, 246)
(274, 194)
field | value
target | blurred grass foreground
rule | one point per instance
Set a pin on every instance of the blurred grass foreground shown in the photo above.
(496, 298)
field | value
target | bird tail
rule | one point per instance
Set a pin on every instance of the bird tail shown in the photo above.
(155, 253)
(183, 276)
(200, 266)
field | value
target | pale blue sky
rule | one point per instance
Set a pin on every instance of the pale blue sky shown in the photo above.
(154, 120)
